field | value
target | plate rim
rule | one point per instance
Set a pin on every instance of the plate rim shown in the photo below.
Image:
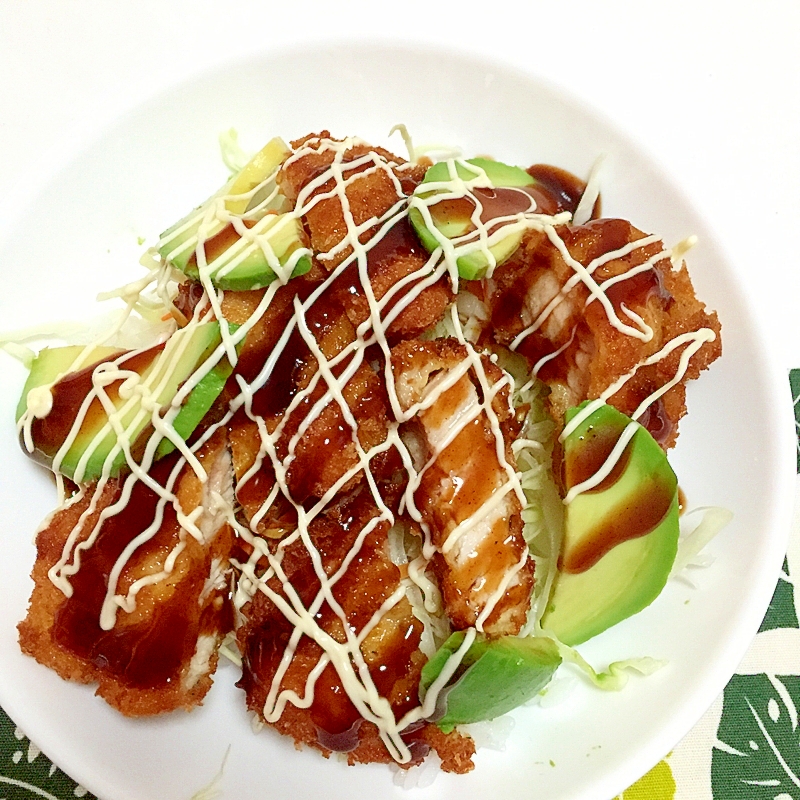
(784, 444)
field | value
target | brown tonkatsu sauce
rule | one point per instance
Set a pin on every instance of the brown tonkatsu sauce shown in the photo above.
(562, 189)
(640, 514)
(368, 581)
(68, 396)
(498, 202)
(140, 655)
(587, 460)
(657, 422)
(636, 290)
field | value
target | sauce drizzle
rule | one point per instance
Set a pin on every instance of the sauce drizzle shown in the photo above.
(285, 388)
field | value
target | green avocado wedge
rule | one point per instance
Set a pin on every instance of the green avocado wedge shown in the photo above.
(200, 399)
(620, 537)
(495, 676)
(274, 241)
(51, 363)
(239, 264)
(451, 214)
(135, 386)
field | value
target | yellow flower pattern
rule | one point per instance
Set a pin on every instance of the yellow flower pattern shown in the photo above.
(658, 784)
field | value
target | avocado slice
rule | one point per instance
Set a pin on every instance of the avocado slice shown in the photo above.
(620, 537)
(54, 362)
(276, 242)
(239, 264)
(162, 370)
(451, 215)
(260, 167)
(495, 676)
(201, 398)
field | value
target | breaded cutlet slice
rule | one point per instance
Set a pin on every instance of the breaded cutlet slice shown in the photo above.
(317, 438)
(161, 654)
(539, 306)
(352, 552)
(323, 170)
(462, 448)
(346, 189)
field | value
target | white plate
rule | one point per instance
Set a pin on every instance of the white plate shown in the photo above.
(80, 236)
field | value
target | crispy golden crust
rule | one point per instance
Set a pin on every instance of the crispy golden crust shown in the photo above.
(325, 621)
(145, 664)
(327, 450)
(455, 750)
(396, 257)
(318, 428)
(389, 647)
(486, 574)
(372, 190)
(377, 181)
(592, 352)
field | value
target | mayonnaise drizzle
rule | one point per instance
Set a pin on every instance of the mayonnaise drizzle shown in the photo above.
(265, 564)
(354, 678)
(692, 341)
(584, 274)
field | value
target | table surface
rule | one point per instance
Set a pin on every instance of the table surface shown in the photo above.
(721, 87)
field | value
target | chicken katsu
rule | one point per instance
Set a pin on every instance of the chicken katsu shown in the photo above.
(327, 462)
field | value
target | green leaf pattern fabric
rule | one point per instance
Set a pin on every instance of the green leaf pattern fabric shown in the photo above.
(781, 612)
(746, 747)
(794, 382)
(757, 754)
(26, 773)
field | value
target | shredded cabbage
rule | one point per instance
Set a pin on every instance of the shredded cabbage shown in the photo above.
(543, 515)
(21, 353)
(714, 519)
(616, 674)
(212, 790)
(422, 593)
(230, 649)
(233, 154)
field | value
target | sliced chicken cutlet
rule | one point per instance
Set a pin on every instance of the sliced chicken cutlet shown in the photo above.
(389, 285)
(581, 339)
(337, 589)
(409, 297)
(159, 651)
(315, 420)
(346, 190)
(460, 430)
